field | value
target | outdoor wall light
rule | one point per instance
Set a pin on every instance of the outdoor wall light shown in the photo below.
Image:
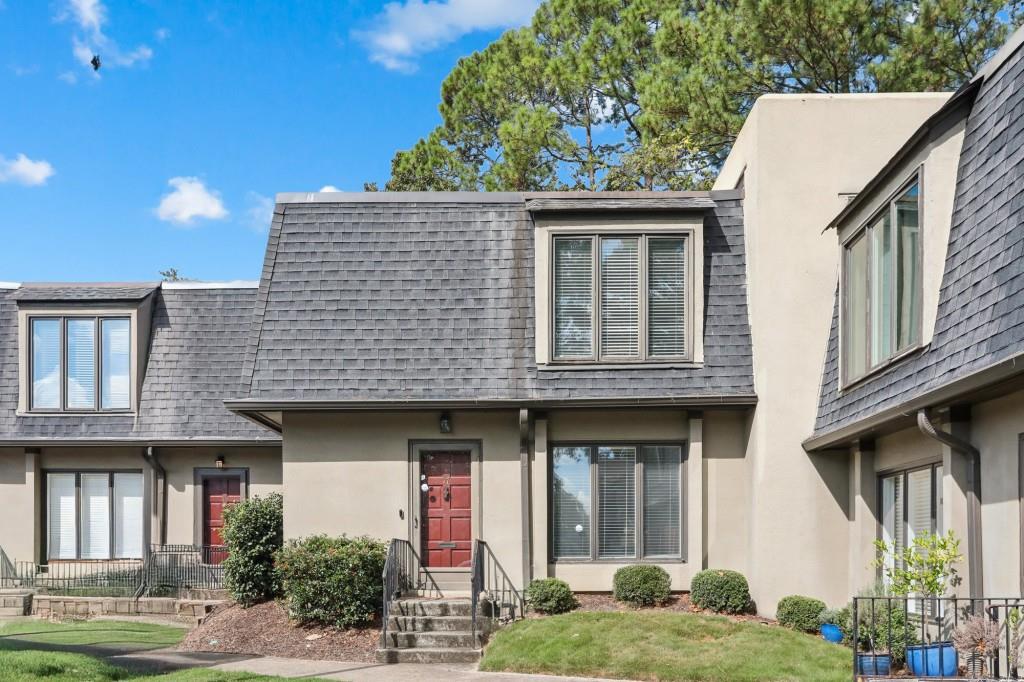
(219, 462)
(446, 423)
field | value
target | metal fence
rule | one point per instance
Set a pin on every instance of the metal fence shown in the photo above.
(896, 636)
(167, 570)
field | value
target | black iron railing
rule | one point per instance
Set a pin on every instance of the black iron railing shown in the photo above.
(177, 568)
(492, 594)
(402, 575)
(894, 636)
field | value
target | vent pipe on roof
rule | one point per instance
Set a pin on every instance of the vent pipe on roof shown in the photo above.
(973, 455)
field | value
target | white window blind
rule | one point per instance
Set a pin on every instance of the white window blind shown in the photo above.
(570, 501)
(115, 383)
(666, 297)
(45, 364)
(939, 526)
(574, 298)
(919, 504)
(661, 485)
(62, 524)
(128, 515)
(81, 353)
(616, 515)
(620, 297)
(95, 516)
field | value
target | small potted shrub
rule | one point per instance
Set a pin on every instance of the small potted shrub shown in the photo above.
(1015, 626)
(800, 613)
(550, 596)
(976, 639)
(832, 622)
(882, 637)
(926, 570)
(642, 585)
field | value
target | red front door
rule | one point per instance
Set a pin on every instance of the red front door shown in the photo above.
(218, 493)
(447, 510)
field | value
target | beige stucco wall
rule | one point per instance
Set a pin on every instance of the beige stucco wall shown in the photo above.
(726, 490)
(796, 155)
(19, 481)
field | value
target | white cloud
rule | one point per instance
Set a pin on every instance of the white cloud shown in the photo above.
(20, 70)
(406, 30)
(329, 188)
(24, 171)
(190, 199)
(162, 34)
(259, 211)
(90, 16)
(68, 77)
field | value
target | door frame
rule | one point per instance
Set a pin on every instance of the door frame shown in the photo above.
(199, 476)
(416, 450)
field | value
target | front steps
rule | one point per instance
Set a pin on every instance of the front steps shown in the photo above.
(433, 631)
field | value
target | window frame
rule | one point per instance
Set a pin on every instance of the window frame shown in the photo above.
(63, 369)
(887, 206)
(638, 484)
(78, 513)
(643, 236)
(904, 474)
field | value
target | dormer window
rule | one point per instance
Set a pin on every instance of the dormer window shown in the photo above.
(882, 285)
(80, 363)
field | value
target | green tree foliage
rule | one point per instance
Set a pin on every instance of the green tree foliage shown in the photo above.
(650, 94)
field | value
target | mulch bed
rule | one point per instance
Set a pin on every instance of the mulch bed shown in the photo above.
(264, 630)
(679, 602)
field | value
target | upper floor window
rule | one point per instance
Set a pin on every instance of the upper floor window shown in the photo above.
(620, 298)
(80, 363)
(882, 285)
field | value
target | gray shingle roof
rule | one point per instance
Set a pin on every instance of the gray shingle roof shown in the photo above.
(980, 318)
(198, 336)
(434, 300)
(84, 292)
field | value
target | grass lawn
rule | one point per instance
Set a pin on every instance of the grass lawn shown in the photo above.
(102, 634)
(664, 646)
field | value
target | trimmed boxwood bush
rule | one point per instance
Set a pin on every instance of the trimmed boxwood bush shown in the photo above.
(720, 590)
(550, 595)
(333, 581)
(642, 585)
(800, 613)
(253, 532)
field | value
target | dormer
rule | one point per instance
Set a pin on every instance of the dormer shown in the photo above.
(82, 347)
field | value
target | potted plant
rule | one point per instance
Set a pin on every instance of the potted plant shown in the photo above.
(832, 622)
(882, 637)
(1015, 626)
(926, 569)
(976, 639)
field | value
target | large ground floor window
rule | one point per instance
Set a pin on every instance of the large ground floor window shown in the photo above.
(911, 505)
(616, 501)
(94, 514)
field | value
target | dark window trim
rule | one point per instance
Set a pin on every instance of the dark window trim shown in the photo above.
(1020, 496)
(45, 497)
(904, 473)
(638, 480)
(887, 206)
(644, 357)
(63, 366)
(199, 476)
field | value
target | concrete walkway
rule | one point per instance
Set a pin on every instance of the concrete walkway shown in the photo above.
(169, 659)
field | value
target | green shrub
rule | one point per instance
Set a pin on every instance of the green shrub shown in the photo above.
(333, 581)
(720, 590)
(550, 595)
(890, 632)
(800, 613)
(838, 617)
(642, 585)
(253, 532)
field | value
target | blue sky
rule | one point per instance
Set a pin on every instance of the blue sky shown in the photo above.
(170, 154)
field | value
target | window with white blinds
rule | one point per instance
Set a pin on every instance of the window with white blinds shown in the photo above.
(80, 363)
(634, 509)
(639, 287)
(911, 506)
(94, 515)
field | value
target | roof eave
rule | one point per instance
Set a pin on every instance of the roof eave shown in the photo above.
(250, 406)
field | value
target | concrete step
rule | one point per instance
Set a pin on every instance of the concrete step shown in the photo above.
(435, 640)
(431, 607)
(421, 655)
(433, 623)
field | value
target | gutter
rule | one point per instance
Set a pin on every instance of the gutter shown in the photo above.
(159, 499)
(524, 483)
(973, 455)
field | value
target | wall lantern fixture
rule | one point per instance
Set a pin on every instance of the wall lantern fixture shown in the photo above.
(219, 462)
(446, 422)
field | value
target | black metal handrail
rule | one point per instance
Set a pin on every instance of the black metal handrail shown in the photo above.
(889, 633)
(402, 573)
(488, 579)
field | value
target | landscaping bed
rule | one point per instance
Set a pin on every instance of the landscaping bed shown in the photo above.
(677, 603)
(265, 630)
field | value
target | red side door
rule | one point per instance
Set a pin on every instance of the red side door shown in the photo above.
(447, 510)
(218, 493)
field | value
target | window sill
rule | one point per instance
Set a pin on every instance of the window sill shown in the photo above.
(624, 562)
(591, 366)
(874, 372)
(104, 413)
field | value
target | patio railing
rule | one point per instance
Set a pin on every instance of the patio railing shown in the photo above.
(896, 636)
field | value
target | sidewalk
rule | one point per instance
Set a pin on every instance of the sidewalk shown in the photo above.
(169, 659)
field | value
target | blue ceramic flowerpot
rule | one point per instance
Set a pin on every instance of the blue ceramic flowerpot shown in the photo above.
(874, 664)
(831, 633)
(933, 660)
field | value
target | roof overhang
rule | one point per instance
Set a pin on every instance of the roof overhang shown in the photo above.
(269, 441)
(993, 381)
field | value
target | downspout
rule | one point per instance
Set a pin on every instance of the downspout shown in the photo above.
(524, 482)
(973, 455)
(160, 499)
